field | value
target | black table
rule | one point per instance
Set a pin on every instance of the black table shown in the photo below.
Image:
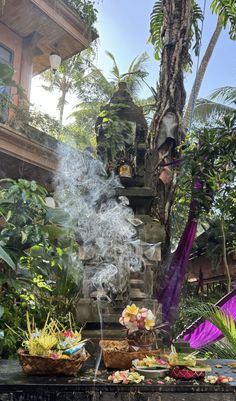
(16, 386)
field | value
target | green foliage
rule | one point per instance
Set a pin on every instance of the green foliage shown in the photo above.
(46, 274)
(156, 23)
(118, 132)
(209, 156)
(227, 12)
(69, 78)
(227, 94)
(190, 303)
(134, 76)
(6, 80)
(196, 34)
(156, 27)
(85, 8)
(221, 102)
(96, 90)
(225, 9)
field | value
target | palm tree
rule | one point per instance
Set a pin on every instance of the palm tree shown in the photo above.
(222, 101)
(226, 12)
(96, 90)
(68, 79)
(134, 76)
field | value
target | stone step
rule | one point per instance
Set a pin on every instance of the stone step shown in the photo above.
(136, 283)
(136, 294)
(117, 333)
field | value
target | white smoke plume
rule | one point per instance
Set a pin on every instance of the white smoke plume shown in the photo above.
(105, 224)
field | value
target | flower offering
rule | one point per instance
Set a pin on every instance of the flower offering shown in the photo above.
(135, 318)
(125, 377)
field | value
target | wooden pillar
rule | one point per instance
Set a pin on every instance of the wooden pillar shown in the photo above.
(29, 51)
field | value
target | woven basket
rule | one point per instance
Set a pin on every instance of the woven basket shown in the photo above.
(44, 366)
(116, 354)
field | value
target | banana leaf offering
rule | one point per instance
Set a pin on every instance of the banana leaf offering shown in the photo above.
(188, 361)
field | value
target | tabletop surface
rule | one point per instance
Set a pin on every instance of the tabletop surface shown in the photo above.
(13, 379)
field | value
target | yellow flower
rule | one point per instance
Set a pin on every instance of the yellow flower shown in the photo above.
(149, 323)
(130, 310)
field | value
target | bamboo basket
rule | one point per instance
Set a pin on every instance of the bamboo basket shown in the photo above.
(116, 354)
(44, 366)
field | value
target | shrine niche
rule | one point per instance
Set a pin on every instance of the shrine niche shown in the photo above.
(121, 131)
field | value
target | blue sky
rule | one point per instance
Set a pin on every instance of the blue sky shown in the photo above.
(123, 27)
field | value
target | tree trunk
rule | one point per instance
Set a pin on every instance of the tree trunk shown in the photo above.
(168, 117)
(62, 105)
(226, 266)
(200, 73)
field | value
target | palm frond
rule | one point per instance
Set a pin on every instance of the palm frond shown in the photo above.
(197, 17)
(219, 350)
(115, 70)
(222, 320)
(206, 109)
(225, 93)
(156, 23)
(139, 63)
(227, 12)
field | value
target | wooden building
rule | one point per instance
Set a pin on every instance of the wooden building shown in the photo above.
(30, 30)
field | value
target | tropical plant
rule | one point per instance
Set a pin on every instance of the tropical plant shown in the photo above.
(221, 101)
(6, 83)
(190, 302)
(134, 76)
(157, 36)
(211, 153)
(68, 78)
(85, 8)
(225, 323)
(118, 132)
(226, 12)
(96, 90)
(44, 270)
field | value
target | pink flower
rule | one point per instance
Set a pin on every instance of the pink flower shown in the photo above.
(68, 333)
(55, 356)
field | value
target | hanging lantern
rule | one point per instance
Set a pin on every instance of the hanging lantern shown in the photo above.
(55, 62)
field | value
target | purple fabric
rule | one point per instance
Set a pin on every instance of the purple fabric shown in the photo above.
(202, 332)
(169, 296)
